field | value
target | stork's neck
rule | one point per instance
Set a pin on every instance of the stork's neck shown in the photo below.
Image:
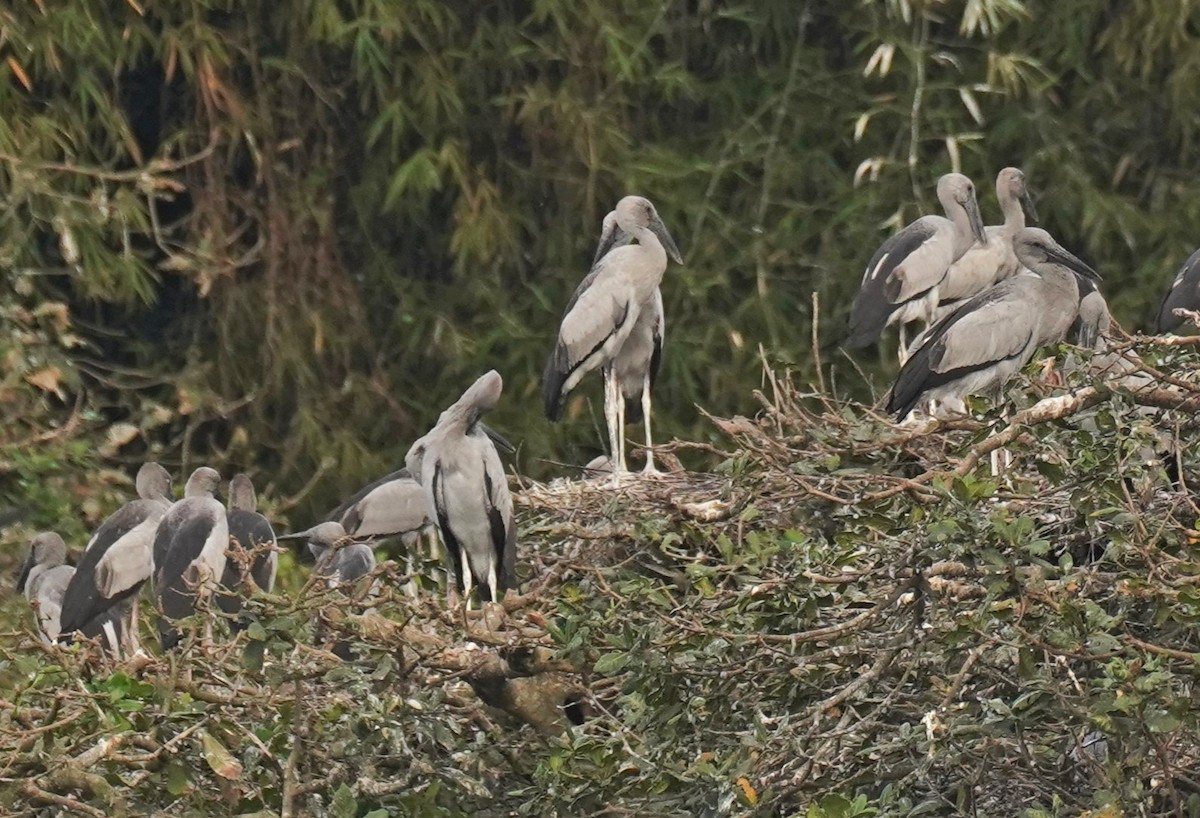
(1014, 214)
(1061, 302)
(964, 237)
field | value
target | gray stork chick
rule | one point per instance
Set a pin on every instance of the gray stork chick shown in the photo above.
(467, 495)
(979, 346)
(996, 259)
(903, 279)
(189, 552)
(605, 309)
(43, 580)
(639, 359)
(101, 600)
(251, 548)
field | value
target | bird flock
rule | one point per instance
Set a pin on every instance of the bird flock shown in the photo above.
(989, 298)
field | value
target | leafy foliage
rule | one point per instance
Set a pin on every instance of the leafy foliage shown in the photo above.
(313, 222)
(845, 618)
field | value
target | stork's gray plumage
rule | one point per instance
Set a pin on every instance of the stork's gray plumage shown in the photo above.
(1184, 294)
(467, 494)
(251, 548)
(101, 600)
(341, 562)
(996, 258)
(340, 558)
(639, 359)
(605, 309)
(189, 552)
(44, 578)
(1093, 318)
(392, 506)
(980, 345)
(903, 279)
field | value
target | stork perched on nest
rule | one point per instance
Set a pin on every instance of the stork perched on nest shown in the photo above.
(617, 304)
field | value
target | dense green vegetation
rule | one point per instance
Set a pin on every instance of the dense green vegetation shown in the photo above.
(844, 619)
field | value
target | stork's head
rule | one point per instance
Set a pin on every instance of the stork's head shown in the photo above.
(1010, 184)
(957, 193)
(636, 213)
(1036, 247)
(203, 483)
(46, 549)
(153, 482)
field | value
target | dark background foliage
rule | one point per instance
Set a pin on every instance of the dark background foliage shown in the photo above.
(293, 232)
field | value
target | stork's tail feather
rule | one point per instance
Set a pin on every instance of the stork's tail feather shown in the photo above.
(552, 383)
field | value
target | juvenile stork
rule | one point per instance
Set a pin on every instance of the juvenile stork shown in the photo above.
(189, 552)
(639, 359)
(996, 259)
(467, 495)
(43, 580)
(980, 345)
(341, 560)
(903, 279)
(1184, 294)
(251, 548)
(101, 600)
(603, 312)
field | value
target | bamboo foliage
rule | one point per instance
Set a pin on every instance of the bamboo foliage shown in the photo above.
(330, 215)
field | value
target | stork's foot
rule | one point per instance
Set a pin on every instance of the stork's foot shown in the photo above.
(651, 472)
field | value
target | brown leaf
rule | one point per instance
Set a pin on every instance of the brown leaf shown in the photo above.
(20, 72)
(47, 380)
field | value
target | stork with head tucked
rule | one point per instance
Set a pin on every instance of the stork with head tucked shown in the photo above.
(605, 310)
(43, 580)
(903, 279)
(251, 548)
(189, 552)
(101, 600)
(467, 494)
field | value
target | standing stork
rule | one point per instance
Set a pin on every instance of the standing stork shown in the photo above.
(467, 495)
(902, 280)
(1184, 294)
(640, 357)
(102, 597)
(996, 258)
(43, 580)
(603, 313)
(189, 552)
(980, 345)
(251, 548)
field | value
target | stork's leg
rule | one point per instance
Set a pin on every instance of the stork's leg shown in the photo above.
(610, 417)
(131, 630)
(902, 352)
(494, 583)
(468, 580)
(649, 470)
(1000, 457)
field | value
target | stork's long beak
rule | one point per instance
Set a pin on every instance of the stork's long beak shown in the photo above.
(1061, 255)
(613, 236)
(500, 440)
(299, 535)
(660, 230)
(976, 218)
(1027, 204)
(23, 577)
